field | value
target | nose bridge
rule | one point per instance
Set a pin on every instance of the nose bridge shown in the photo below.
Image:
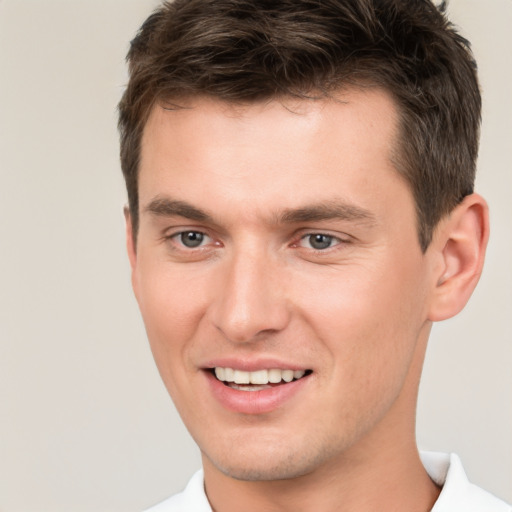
(250, 298)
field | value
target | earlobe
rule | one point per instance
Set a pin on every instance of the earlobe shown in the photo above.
(461, 241)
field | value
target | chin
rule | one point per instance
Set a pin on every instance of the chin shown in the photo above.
(269, 466)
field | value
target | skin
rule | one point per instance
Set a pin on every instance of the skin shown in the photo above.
(254, 180)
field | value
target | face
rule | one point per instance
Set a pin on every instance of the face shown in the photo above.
(280, 279)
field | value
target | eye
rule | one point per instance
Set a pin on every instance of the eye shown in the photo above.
(192, 239)
(319, 241)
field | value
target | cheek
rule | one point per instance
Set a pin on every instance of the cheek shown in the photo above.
(367, 318)
(172, 306)
(360, 325)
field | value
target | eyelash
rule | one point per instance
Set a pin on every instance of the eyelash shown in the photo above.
(177, 238)
(334, 241)
(337, 241)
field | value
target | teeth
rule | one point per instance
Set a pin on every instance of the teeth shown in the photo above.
(287, 375)
(220, 373)
(259, 377)
(242, 377)
(274, 376)
(229, 375)
(248, 387)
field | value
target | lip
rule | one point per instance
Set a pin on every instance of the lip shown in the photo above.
(254, 402)
(252, 365)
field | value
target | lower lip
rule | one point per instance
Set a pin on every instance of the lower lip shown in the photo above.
(254, 402)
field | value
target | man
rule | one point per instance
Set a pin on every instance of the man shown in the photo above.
(301, 210)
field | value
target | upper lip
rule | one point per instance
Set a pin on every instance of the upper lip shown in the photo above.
(253, 365)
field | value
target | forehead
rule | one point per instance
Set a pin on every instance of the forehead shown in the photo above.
(260, 153)
(348, 111)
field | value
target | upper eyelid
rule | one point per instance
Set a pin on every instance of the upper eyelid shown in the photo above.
(323, 233)
(336, 239)
(182, 231)
(171, 234)
(177, 230)
(343, 237)
(295, 237)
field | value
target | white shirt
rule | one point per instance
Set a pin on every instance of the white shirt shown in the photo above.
(457, 495)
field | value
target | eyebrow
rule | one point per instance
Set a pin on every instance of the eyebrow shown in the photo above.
(166, 207)
(330, 210)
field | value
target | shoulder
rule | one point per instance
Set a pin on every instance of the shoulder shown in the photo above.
(458, 494)
(192, 499)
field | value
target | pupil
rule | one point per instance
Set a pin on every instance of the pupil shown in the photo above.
(320, 241)
(192, 239)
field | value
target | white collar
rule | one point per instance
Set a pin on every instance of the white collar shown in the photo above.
(457, 495)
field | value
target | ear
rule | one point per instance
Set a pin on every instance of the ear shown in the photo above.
(460, 242)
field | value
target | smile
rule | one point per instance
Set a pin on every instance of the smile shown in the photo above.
(257, 390)
(257, 380)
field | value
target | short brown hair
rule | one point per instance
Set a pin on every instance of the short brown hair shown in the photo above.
(251, 50)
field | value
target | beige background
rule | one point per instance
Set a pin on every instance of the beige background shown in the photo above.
(85, 423)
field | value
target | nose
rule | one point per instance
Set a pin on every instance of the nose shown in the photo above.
(250, 302)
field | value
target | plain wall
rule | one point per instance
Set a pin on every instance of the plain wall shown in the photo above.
(85, 423)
